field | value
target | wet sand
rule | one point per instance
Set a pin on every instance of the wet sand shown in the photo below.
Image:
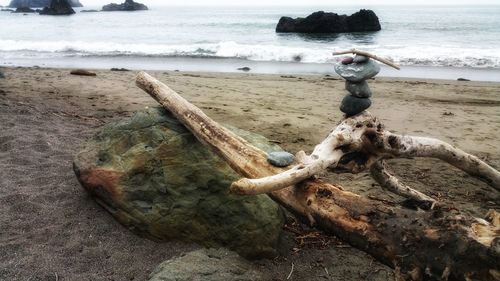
(51, 230)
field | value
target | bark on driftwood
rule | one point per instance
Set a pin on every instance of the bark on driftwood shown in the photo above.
(436, 244)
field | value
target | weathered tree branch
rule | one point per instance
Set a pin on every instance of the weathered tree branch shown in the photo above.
(358, 142)
(366, 54)
(420, 244)
(386, 180)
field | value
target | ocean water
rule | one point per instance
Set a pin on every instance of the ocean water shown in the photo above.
(459, 37)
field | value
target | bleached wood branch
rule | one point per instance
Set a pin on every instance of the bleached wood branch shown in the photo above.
(380, 174)
(366, 54)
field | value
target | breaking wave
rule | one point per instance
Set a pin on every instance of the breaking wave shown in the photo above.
(404, 55)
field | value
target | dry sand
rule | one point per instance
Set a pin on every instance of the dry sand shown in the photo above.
(51, 230)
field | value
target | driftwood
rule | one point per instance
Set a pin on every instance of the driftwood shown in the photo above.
(420, 245)
(366, 54)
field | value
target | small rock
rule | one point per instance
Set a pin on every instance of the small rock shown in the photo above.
(280, 158)
(462, 79)
(89, 11)
(1, 75)
(360, 59)
(357, 72)
(7, 10)
(207, 265)
(352, 105)
(360, 90)
(347, 60)
(246, 68)
(119, 69)
(82, 72)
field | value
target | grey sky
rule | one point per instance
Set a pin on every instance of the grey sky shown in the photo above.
(294, 2)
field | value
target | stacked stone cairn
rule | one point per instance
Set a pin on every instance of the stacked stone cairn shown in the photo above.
(356, 70)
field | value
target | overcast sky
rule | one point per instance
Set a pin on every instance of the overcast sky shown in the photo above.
(293, 2)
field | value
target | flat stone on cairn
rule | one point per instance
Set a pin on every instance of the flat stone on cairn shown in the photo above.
(352, 105)
(356, 71)
(360, 90)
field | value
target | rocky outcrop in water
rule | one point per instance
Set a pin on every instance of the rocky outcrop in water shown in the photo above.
(58, 8)
(39, 3)
(128, 5)
(24, 10)
(321, 22)
(155, 177)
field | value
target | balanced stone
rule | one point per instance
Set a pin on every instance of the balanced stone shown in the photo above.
(280, 158)
(347, 60)
(360, 90)
(357, 72)
(360, 59)
(352, 105)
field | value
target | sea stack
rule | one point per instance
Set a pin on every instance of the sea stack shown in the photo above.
(322, 22)
(356, 71)
(58, 8)
(39, 3)
(128, 5)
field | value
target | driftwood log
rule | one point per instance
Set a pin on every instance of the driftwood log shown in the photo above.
(419, 245)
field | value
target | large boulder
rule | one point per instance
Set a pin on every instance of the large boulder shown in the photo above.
(207, 265)
(58, 8)
(321, 22)
(39, 3)
(154, 177)
(128, 5)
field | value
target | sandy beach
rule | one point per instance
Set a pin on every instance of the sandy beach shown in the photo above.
(50, 229)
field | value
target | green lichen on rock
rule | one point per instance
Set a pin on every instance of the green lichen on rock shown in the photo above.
(153, 175)
(208, 265)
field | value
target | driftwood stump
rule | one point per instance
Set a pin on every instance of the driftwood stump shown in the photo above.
(420, 245)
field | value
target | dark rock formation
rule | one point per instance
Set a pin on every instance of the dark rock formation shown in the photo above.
(7, 10)
(321, 22)
(128, 5)
(24, 10)
(39, 3)
(57, 8)
(207, 265)
(89, 11)
(155, 177)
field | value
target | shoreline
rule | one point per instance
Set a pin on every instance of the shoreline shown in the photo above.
(231, 65)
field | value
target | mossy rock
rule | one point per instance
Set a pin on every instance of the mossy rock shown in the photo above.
(157, 179)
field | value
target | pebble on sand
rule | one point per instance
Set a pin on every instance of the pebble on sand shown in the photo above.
(82, 72)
